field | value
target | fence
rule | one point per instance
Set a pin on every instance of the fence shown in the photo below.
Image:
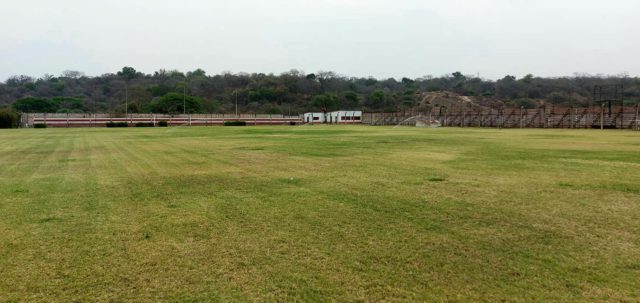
(622, 117)
(100, 120)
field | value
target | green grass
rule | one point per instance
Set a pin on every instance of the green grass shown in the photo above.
(319, 213)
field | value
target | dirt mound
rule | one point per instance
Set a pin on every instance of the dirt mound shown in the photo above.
(431, 100)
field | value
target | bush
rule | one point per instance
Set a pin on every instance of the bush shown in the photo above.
(8, 118)
(40, 125)
(144, 124)
(235, 123)
(163, 123)
(117, 124)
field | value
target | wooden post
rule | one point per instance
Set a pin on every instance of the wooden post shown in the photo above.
(483, 118)
(464, 116)
(622, 114)
(486, 118)
(521, 116)
(602, 117)
(573, 118)
(637, 112)
(445, 117)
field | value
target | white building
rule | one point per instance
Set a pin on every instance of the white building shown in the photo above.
(314, 118)
(336, 117)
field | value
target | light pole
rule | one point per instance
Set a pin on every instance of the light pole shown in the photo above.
(236, 91)
(184, 99)
(126, 100)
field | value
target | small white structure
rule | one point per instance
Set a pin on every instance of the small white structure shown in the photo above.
(335, 117)
(314, 118)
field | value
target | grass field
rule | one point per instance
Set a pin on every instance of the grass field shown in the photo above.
(319, 213)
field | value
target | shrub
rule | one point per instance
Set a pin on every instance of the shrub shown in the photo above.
(163, 123)
(144, 124)
(117, 124)
(40, 125)
(235, 123)
(8, 118)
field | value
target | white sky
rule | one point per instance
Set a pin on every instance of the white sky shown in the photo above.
(377, 38)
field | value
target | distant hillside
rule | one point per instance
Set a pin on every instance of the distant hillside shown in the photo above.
(291, 92)
(429, 100)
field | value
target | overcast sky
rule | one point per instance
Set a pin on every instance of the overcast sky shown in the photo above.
(380, 38)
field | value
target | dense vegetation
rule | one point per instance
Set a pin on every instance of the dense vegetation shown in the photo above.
(8, 118)
(291, 92)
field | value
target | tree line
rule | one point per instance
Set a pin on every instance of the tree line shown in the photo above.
(293, 92)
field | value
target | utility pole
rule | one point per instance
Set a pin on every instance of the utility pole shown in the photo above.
(184, 99)
(126, 99)
(236, 91)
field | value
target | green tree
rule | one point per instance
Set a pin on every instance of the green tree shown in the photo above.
(175, 103)
(8, 118)
(408, 82)
(377, 99)
(198, 73)
(350, 100)
(128, 73)
(325, 102)
(262, 94)
(160, 90)
(458, 76)
(69, 104)
(408, 100)
(37, 105)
